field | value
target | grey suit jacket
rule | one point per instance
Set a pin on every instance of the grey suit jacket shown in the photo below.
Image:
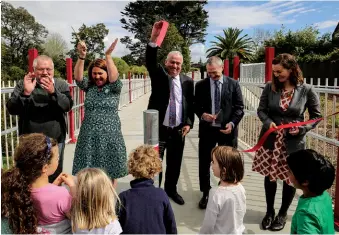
(269, 111)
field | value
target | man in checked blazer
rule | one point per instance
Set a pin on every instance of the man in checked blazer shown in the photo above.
(218, 103)
(172, 95)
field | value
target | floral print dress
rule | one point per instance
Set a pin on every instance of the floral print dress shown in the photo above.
(100, 142)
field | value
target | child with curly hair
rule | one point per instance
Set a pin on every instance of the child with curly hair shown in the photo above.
(145, 209)
(29, 202)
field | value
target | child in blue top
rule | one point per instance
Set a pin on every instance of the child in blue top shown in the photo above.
(313, 174)
(145, 209)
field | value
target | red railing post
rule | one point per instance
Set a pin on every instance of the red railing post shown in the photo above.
(226, 67)
(71, 89)
(82, 113)
(193, 75)
(130, 87)
(236, 67)
(269, 56)
(32, 54)
(336, 196)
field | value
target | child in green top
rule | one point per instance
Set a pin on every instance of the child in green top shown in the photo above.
(313, 174)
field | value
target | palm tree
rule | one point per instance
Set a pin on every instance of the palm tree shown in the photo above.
(231, 45)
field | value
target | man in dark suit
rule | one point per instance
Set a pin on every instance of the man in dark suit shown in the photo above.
(172, 95)
(219, 106)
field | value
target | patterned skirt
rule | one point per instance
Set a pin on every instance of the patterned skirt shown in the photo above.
(272, 163)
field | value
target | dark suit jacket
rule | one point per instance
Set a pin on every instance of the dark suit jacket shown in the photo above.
(270, 111)
(232, 104)
(161, 83)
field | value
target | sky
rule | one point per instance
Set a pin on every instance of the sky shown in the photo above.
(59, 16)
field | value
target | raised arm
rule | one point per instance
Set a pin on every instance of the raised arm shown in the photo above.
(111, 68)
(21, 95)
(79, 66)
(151, 50)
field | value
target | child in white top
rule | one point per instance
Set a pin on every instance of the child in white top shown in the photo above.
(226, 206)
(93, 208)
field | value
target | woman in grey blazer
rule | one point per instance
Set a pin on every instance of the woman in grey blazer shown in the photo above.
(284, 100)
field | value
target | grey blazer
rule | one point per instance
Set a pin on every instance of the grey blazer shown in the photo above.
(270, 111)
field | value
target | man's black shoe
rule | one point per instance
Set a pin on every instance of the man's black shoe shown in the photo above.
(176, 198)
(203, 201)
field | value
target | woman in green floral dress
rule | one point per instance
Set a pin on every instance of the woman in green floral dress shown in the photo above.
(100, 141)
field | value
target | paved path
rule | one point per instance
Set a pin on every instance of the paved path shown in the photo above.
(189, 217)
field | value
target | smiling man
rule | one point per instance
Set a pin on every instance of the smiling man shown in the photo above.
(172, 95)
(41, 102)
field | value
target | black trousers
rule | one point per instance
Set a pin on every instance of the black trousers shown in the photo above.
(207, 141)
(171, 140)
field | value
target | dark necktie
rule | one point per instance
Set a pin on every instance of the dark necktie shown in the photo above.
(172, 107)
(216, 97)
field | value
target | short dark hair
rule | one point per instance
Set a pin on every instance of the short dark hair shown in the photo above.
(230, 159)
(308, 165)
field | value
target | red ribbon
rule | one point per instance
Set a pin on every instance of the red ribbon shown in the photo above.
(284, 126)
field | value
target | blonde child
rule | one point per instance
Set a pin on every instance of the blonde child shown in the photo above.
(226, 206)
(93, 208)
(29, 202)
(145, 209)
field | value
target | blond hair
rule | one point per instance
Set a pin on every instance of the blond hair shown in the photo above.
(144, 162)
(94, 203)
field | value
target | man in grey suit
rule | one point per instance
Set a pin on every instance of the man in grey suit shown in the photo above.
(219, 106)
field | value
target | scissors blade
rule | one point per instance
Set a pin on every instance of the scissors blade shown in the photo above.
(76, 34)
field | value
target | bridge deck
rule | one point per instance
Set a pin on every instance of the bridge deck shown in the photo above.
(189, 217)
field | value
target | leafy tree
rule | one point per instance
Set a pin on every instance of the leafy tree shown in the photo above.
(138, 70)
(129, 59)
(19, 32)
(187, 58)
(259, 37)
(232, 44)
(55, 45)
(305, 44)
(335, 36)
(56, 48)
(189, 17)
(122, 66)
(94, 39)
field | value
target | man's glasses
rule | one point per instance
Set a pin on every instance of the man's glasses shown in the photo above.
(43, 69)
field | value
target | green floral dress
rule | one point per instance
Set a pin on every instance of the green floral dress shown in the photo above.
(100, 142)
